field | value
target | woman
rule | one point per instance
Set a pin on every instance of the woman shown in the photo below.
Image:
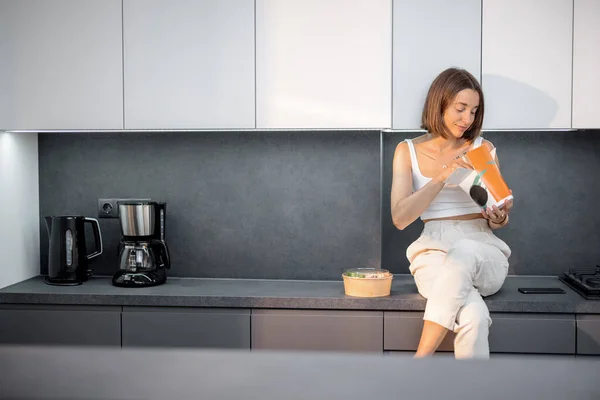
(457, 259)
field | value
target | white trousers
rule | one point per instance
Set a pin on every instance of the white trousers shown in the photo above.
(454, 264)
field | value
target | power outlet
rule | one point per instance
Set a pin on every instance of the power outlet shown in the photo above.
(109, 208)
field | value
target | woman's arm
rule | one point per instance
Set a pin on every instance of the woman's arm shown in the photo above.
(407, 206)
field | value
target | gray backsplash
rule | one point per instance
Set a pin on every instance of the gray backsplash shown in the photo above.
(288, 205)
(307, 205)
(556, 183)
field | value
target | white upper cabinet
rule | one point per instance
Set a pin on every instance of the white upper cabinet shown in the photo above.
(526, 63)
(430, 36)
(586, 64)
(60, 64)
(189, 64)
(323, 63)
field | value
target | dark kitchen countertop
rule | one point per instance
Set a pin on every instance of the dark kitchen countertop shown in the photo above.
(289, 294)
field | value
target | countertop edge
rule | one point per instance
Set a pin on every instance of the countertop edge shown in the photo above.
(380, 304)
(221, 293)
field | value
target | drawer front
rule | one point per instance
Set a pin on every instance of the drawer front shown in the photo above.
(532, 333)
(588, 334)
(202, 328)
(509, 333)
(402, 331)
(356, 331)
(58, 325)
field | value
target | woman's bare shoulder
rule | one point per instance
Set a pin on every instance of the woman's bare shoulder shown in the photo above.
(401, 150)
(402, 158)
(422, 139)
(402, 147)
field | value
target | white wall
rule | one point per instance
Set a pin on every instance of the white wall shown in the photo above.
(19, 207)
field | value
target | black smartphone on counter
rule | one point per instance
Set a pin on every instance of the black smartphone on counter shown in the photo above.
(549, 290)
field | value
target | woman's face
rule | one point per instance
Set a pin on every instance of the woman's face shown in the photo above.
(460, 114)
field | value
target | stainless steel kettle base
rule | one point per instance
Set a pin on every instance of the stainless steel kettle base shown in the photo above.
(139, 279)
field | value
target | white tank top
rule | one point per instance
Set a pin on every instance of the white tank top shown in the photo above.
(451, 201)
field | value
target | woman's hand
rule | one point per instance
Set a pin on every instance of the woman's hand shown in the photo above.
(447, 170)
(497, 216)
(508, 205)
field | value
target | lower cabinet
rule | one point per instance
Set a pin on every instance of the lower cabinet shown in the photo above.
(60, 325)
(323, 330)
(509, 333)
(186, 327)
(390, 332)
(533, 333)
(588, 334)
(493, 356)
(402, 331)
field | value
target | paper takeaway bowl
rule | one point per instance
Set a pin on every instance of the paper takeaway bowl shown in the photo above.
(367, 282)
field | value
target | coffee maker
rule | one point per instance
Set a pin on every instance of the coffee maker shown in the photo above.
(143, 252)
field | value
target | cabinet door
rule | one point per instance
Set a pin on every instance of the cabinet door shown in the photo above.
(60, 325)
(526, 63)
(532, 333)
(402, 332)
(588, 334)
(322, 330)
(586, 64)
(61, 64)
(422, 51)
(323, 63)
(189, 64)
(509, 333)
(186, 327)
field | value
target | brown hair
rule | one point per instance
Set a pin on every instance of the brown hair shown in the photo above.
(442, 92)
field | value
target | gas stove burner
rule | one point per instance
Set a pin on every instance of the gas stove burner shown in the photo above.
(585, 281)
(593, 282)
(578, 272)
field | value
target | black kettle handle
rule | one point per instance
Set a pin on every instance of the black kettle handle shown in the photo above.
(97, 237)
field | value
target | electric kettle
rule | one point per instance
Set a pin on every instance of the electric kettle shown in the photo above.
(67, 253)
